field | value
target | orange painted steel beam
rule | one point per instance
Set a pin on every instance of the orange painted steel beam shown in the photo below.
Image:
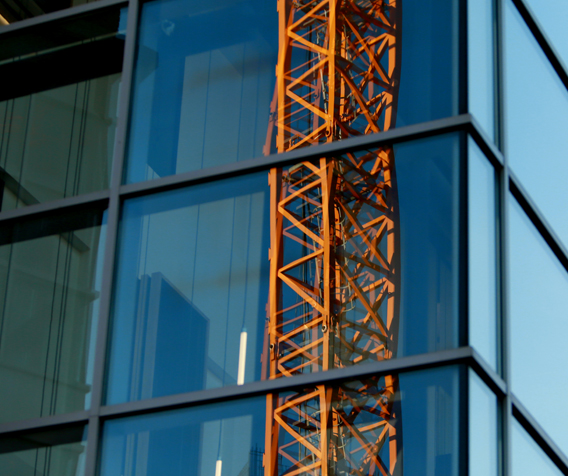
(334, 253)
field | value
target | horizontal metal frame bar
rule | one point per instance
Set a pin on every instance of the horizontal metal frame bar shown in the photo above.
(47, 422)
(59, 15)
(463, 122)
(463, 355)
(423, 130)
(537, 433)
(538, 220)
(542, 40)
(72, 203)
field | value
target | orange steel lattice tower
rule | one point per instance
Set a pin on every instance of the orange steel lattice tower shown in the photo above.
(334, 279)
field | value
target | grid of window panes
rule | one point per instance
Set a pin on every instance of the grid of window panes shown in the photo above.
(137, 226)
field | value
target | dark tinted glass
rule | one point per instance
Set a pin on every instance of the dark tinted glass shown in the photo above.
(206, 253)
(58, 452)
(536, 123)
(57, 131)
(376, 426)
(50, 271)
(205, 87)
(538, 302)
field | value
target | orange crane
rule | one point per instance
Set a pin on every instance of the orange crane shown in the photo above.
(334, 255)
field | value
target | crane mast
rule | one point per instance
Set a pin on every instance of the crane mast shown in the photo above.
(334, 255)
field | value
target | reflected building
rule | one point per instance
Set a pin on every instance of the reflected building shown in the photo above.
(280, 238)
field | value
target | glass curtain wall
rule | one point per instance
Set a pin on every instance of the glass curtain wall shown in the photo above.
(188, 287)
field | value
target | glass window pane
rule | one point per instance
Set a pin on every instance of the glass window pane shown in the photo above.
(247, 272)
(528, 458)
(483, 428)
(206, 94)
(200, 253)
(536, 123)
(552, 16)
(57, 134)
(481, 63)
(482, 222)
(58, 452)
(50, 274)
(229, 439)
(538, 303)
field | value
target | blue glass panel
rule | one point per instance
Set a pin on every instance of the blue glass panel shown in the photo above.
(537, 121)
(205, 79)
(482, 251)
(427, 174)
(538, 290)
(192, 278)
(527, 457)
(552, 16)
(483, 428)
(203, 253)
(228, 439)
(481, 62)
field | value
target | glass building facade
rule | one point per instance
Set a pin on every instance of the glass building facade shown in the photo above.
(283, 237)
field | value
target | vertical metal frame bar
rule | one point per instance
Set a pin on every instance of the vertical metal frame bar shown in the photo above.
(463, 239)
(463, 242)
(503, 197)
(463, 60)
(498, 58)
(463, 385)
(111, 239)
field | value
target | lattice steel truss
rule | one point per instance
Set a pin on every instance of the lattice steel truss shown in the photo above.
(334, 278)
